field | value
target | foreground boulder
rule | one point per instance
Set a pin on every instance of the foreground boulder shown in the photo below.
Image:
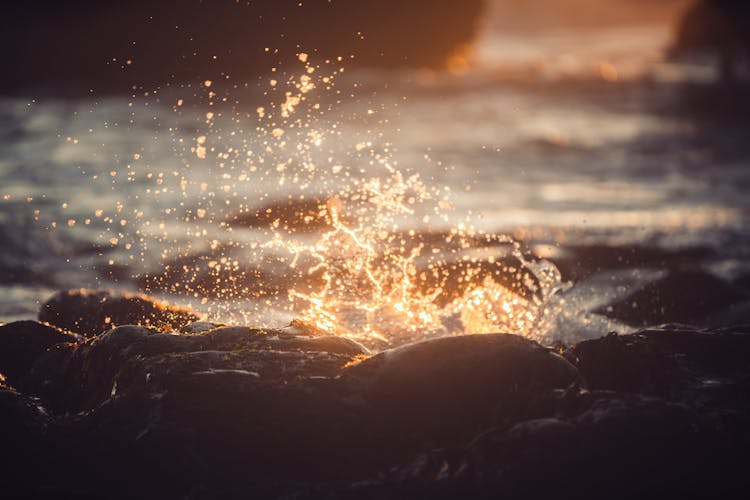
(91, 312)
(445, 391)
(29, 448)
(23, 342)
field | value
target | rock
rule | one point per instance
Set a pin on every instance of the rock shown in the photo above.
(715, 26)
(679, 297)
(287, 405)
(233, 408)
(91, 312)
(296, 413)
(107, 365)
(292, 215)
(27, 460)
(445, 391)
(23, 342)
(195, 274)
(49, 378)
(578, 262)
(200, 327)
(618, 447)
(703, 368)
(448, 281)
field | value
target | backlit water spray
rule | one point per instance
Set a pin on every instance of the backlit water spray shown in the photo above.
(273, 207)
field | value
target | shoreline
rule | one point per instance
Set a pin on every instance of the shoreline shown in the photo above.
(188, 407)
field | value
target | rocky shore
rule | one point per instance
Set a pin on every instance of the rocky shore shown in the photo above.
(117, 396)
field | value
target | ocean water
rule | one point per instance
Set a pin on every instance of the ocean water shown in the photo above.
(544, 141)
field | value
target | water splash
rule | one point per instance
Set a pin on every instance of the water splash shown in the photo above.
(357, 245)
(386, 286)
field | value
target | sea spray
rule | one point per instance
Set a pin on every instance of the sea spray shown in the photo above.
(391, 261)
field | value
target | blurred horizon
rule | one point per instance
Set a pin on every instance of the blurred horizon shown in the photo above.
(85, 47)
(572, 35)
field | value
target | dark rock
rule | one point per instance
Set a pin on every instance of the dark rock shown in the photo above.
(716, 26)
(91, 312)
(194, 274)
(297, 413)
(233, 408)
(443, 392)
(26, 458)
(288, 406)
(618, 447)
(701, 368)
(679, 297)
(453, 279)
(580, 262)
(49, 379)
(23, 342)
(292, 215)
(109, 364)
(200, 327)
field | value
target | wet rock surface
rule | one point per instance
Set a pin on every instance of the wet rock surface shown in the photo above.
(445, 391)
(293, 215)
(706, 368)
(616, 447)
(205, 410)
(23, 342)
(91, 312)
(680, 296)
(581, 261)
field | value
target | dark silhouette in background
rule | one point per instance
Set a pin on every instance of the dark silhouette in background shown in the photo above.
(80, 46)
(719, 27)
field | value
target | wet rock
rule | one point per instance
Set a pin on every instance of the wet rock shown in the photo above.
(22, 420)
(579, 262)
(200, 327)
(679, 297)
(49, 378)
(28, 451)
(212, 405)
(445, 391)
(91, 312)
(297, 413)
(617, 447)
(199, 274)
(23, 342)
(287, 405)
(123, 358)
(453, 279)
(706, 368)
(292, 215)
